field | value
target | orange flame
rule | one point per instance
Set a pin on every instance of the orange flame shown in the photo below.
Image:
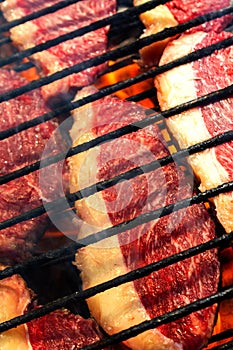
(225, 314)
(132, 70)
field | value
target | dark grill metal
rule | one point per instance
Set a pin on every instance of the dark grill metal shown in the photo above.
(68, 251)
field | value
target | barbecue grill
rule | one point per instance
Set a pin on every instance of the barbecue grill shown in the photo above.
(124, 51)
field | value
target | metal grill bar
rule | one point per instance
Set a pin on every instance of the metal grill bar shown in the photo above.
(114, 32)
(43, 258)
(227, 346)
(88, 191)
(68, 250)
(121, 64)
(5, 40)
(131, 276)
(141, 96)
(24, 66)
(127, 50)
(221, 336)
(155, 214)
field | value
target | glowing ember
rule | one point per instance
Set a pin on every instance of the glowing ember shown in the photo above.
(31, 73)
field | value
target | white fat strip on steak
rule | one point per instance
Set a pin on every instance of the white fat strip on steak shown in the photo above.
(155, 21)
(14, 299)
(119, 307)
(175, 87)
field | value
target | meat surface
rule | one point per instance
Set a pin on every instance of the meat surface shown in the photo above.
(173, 13)
(214, 166)
(69, 52)
(57, 330)
(177, 285)
(24, 148)
(62, 330)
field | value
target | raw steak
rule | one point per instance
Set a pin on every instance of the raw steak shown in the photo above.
(65, 54)
(162, 291)
(62, 330)
(57, 330)
(214, 166)
(22, 149)
(173, 13)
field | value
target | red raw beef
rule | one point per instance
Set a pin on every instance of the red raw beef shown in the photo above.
(68, 53)
(22, 194)
(185, 10)
(62, 330)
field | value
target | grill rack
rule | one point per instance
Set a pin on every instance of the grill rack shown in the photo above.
(225, 137)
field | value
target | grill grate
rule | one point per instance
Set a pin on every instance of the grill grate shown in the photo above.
(199, 102)
(131, 276)
(114, 19)
(118, 53)
(102, 92)
(225, 137)
(68, 251)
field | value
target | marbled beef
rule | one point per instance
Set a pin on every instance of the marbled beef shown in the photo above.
(171, 14)
(214, 166)
(17, 151)
(53, 25)
(62, 330)
(162, 291)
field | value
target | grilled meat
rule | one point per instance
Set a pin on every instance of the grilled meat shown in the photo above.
(213, 166)
(177, 285)
(69, 52)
